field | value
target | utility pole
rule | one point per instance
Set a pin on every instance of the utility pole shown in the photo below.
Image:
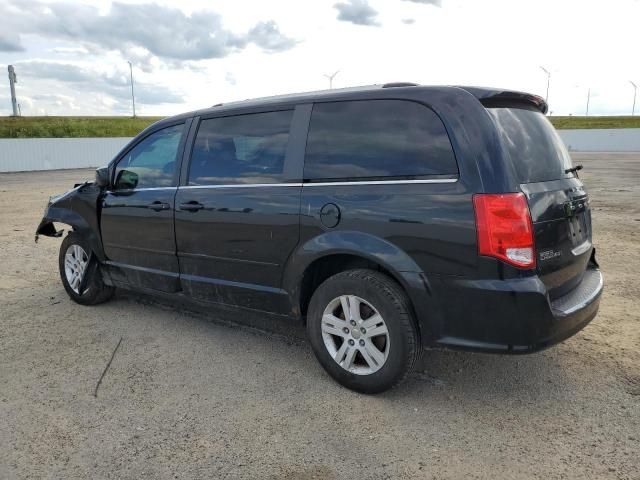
(133, 98)
(546, 98)
(331, 77)
(588, 98)
(635, 90)
(12, 85)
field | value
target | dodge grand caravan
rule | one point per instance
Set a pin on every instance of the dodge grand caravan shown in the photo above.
(387, 218)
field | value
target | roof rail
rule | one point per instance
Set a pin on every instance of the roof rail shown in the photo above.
(399, 84)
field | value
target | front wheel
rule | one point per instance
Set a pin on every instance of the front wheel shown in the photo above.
(80, 272)
(362, 330)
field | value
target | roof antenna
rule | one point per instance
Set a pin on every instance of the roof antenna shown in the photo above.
(331, 77)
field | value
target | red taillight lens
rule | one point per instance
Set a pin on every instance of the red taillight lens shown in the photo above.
(504, 228)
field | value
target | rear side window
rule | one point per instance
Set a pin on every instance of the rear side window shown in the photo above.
(537, 152)
(373, 139)
(240, 149)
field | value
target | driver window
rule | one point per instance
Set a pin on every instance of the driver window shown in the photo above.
(152, 162)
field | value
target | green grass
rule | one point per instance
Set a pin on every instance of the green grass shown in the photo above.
(43, 127)
(563, 123)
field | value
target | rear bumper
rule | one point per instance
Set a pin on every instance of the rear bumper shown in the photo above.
(513, 316)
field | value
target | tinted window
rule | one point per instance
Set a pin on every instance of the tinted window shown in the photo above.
(240, 149)
(534, 146)
(379, 138)
(152, 162)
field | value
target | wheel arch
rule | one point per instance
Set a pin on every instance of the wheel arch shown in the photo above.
(334, 252)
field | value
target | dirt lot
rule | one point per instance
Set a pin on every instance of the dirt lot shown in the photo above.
(190, 395)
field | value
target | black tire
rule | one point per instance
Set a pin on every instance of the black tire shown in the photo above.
(387, 297)
(94, 291)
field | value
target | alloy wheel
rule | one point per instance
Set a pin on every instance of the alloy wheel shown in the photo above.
(355, 335)
(75, 266)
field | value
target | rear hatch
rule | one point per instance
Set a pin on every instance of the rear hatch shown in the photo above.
(557, 199)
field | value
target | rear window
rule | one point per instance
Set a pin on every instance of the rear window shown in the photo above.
(537, 152)
(376, 139)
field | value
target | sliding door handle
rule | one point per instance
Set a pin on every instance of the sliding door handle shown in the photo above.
(192, 206)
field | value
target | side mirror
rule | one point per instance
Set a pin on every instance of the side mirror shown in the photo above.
(126, 180)
(102, 177)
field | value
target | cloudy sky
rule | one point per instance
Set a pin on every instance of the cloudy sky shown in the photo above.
(71, 57)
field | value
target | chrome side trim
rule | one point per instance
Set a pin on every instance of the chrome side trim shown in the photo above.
(128, 190)
(240, 185)
(323, 184)
(383, 182)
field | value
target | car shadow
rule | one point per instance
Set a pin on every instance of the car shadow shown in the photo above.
(445, 375)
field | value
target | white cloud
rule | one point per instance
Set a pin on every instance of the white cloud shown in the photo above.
(186, 53)
(69, 51)
(114, 83)
(358, 12)
(437, 3)
(8, 44)
(166, 32)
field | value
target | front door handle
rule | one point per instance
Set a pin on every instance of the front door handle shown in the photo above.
(158, 206)
(192, 206)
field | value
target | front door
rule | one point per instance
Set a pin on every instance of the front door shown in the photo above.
(237, 211)
(137, 213)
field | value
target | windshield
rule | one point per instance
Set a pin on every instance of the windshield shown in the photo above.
(536, 150)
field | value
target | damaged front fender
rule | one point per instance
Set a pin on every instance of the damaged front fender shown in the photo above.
(78, 208)
(47, 228)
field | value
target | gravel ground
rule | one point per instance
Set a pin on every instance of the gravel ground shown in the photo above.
(193, 394)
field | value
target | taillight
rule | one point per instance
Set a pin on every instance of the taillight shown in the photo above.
(504, 228)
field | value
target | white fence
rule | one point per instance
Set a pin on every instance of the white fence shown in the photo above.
(19, 155)
(602, 140)
(25, 154)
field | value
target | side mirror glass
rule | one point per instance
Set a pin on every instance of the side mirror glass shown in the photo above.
(102, 177)
(126, 180)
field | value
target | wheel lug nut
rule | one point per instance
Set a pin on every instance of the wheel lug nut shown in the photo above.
(352, 343)
(363, 330)
(345, 330)
(362, 343)
(353, 322)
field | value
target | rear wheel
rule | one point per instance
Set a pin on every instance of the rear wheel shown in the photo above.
(362, 331)
(80, 272)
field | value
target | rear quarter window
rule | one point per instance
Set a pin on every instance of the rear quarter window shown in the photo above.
(374, 139)
(535, 148)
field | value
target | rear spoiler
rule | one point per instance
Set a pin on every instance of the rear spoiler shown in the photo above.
(508, 98)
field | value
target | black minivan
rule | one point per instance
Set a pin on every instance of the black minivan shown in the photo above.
(387, 218)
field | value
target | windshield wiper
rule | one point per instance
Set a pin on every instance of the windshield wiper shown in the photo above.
(574, 170)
